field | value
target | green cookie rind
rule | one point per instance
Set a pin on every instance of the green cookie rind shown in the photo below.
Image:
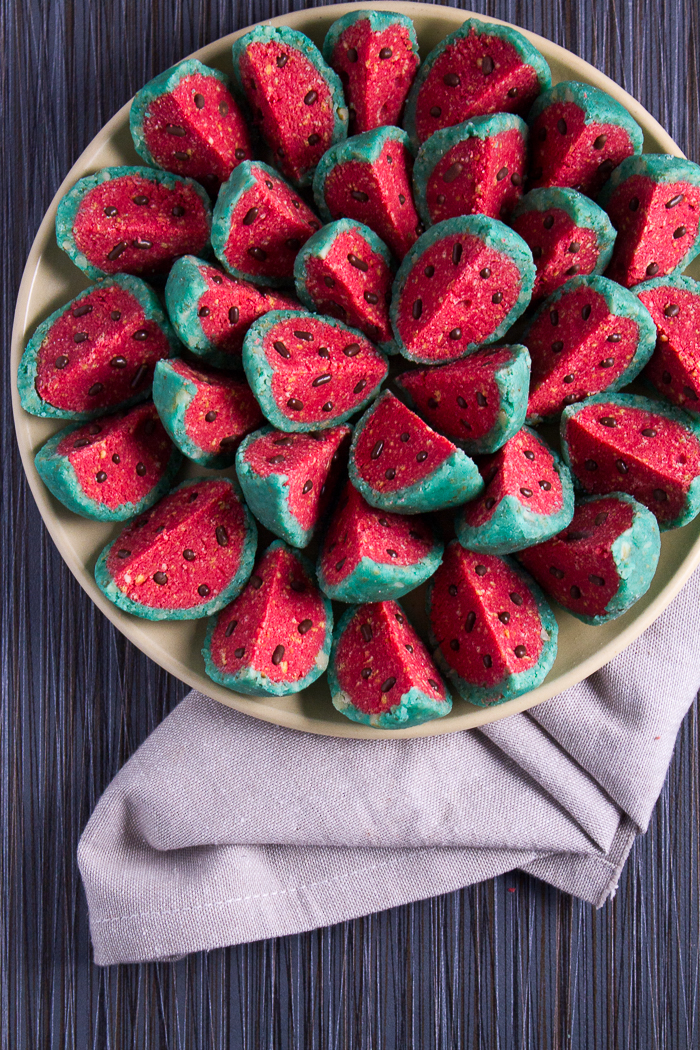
(582, 210)
(300, 42)
(413, 708)
(106, 583)
(372, 581)
(379, 21)
(172, 395)
(259, 373)
(692, 500)
(513, 684)
(268, 498)
(622, 302)
(183, 290)
(442, 141)
(598, 108)
(68, 207)
(527, 51)
(163, 84)
(251, 682)
(365, 148)
(318, 246)
(60, 478)
(494, 234)
(26, 373)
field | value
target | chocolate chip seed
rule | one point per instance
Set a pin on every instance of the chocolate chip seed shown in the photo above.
(680, 231)
(322, 379)
(308, 485)
(371, 297)
(281, 349)
(451, 80)
(469, 622)
(238, 653)
(388, 684)
(111, 211)
(366, 632)
(487, 661)
(117, 251)
(561, 126)
(61, 361)
(188, 554)
(515, 598)
(520, 651)
(358, 263)
(591, 464)
(230, 628)
(586, 312)
(456, 253)
(548, 222)
(417, 309)
(480, 570)
(359, 195)
(258, 254)
(497, 298)
(456, 333)
(295, 404)
(390, 474)
(485, 273)
(139, 376)
(141, 469)
(95, 389)
(310, 97)
(116, 315)
(678, 199)
(487, 65)
(359, 387)
(123, 553)
(80, 311)
(546, 485)
(554, 317)
(160, 578)
(278, 655)
(501, 174)
(176, 130)
(451, 173)
(558, 574)
(351, 350)
(649, 432)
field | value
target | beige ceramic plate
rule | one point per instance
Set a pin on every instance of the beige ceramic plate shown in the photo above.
(50, 279)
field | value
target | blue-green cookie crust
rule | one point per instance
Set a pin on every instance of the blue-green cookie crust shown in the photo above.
(685, 284)
(165, 83)
(441, 142)
(259, 373)
(513, 684)
(68, 206)
(300, 42)
(379, 21)
(365, 148)
(26, 373)
(692, 500)
(110, 590)
(373, 581)
(60, 478)
(183, 290)
(318, 246)
(251, 682)
(580, 209)
(527, 51)
(454, 482)
(172, 395)
(622, 302)
(412, 709)
(598, 108)
(495, 235)
(512, 526)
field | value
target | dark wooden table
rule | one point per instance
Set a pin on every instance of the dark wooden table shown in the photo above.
(509, 963)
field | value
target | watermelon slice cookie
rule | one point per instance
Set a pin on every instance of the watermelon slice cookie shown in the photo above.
(368, 178)
(479, 402)
(463, 283)
(494, 634)
(187, 121)
(259, 225)
(309, 372)
(288, 480)
(603, 562)
(578, 136)
(113, 469)
(187, 557)
(625, 443)
(674, 368)
(398, 463)
(97, 353)
(591, 335)
(296, 100)
(380, 672)
(528, 498)
(206, 413)
(275, 638)
(346, 271)
(371, 554)
(132, 220)
(475, 167)
(654, 204)
(567, 234)
(211, 312)
(480, 68)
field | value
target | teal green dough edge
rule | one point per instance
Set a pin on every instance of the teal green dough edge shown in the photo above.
(300, 42)
(622, 302)
(454, 482)
(374, 581)
(163, 84)
(692, 500)
(686, 284)
(365, 148)
(379, 21)
(252, 682)
(60, 478)
(268, 498)
(26, 373)
(318, 246)
(183, 290)
(442, 141)
(527, 51)
(520, 681)
(172, 395)
(413, 708)
(110, 590)
(512, 526)
(259, 373)
(68, 206)
(598, 108)
(495, 235)
(582, 210)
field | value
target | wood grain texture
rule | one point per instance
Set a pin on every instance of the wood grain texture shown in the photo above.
(507, 964)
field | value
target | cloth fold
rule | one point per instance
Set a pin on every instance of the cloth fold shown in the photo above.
(222, 829)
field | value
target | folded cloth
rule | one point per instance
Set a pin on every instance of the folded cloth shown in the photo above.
(222, 829)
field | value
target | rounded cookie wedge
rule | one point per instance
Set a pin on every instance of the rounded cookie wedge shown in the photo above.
(674, 368)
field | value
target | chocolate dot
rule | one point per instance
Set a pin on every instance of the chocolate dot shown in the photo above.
(591, 464)
(485, 273)
(569, 379)
(520, 651)
(600, 142)
(258, 254)
(239, 154)
(454, 645)
(359, 387)
(281, 349)
(390, 474)
(548, 222)
(385, 52)
(61, 361)
(95, 389)
(481, 400)
(295, 404)
(451, 80)
(586, 312)
(405, 437)
(621, 466)
(515, 598)
(456, 253)
(649, 432)
(141, 469)
(203, 311)
(480, 570)
(512, 92)
(487, 661)
(310, 97)
(546, 485)
(111, 211)
(504, 617)
(501, 174)
(417, 309)
(230, 628)
(456, 333)
(188, 554)
(450, 174)
(359, 195)
(388, 684)
(680, 231)
(351, 350)
(116, 315)
(558, 574)
(516, 179)
(575, 591)
(652, 269)
(487, 65)
(561, 126)
(100, 476)
(278, 655)
(678, 199)
(140, 335)
(117, 250)
(497, 297)
(116, 458)
(178, 211)
(123, 553)
(666, 377)
(327, 407)
(554, 317)
(238, 653)
(358, 263)
(160, 578)
(371, 297)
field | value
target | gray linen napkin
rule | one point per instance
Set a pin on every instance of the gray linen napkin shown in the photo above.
(222, 829)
